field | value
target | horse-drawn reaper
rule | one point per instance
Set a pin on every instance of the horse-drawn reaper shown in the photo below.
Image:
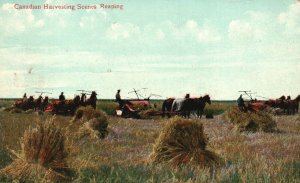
(36, 104)
(130, 108)
(252, 105)
(25, 104)
(285, 104)
(66, 107)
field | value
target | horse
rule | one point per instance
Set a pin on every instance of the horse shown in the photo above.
(83, 99)
(277, 103)
(185, 106)
(195, 104)
(67, 106)
(44, 103)
(292, 106)
(167, 106)
(297, 103)
(72, 105)
(92, 100)
(38, 103)
(288, 106)
(25, 105)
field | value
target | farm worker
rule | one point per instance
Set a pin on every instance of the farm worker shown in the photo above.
(62, 97)
(118, 98)
(241, 103)
(24, 97)
(93, 99)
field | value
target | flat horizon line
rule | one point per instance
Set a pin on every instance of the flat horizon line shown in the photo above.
(111, 99)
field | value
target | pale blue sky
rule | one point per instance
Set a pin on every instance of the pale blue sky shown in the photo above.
(170, 47)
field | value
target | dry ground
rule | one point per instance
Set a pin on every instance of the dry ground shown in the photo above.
(122, 156)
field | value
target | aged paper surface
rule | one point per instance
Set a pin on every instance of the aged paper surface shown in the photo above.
(233, 63)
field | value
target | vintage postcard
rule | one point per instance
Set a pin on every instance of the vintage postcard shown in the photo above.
(149, 91)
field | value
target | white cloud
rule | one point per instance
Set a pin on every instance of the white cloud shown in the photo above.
(260, 25)
(240, 30)
(191, 30)
(13, 21)
(256, 26)
(291, 19)
(93, 22)
(123, 31)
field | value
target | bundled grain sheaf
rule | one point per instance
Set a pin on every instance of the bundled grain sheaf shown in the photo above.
(42, 155)
(95, 122)
(87, 113)
(183, 142)
(250, 121)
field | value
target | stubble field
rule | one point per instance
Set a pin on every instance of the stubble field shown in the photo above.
(123, 155)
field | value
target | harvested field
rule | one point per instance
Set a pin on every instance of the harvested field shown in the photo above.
(182, 142)
(123, 154)
(251, 122)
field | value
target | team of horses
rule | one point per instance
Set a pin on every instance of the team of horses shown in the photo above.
(31, 103)
(57, 106)
(185, 106)
(288, 105)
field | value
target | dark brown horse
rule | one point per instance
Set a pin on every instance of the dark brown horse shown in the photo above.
(292, 106)
(92, 100)
(195, 104)
(25, 105)
(277, 103)
(167, 106)
(83, 99)
(72, 105)
(44, 103)
(288, 106)
(38, 103)
(297, 103)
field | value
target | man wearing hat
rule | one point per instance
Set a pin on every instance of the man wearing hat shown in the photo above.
(61, 99)
(118, 98)
(241, 103)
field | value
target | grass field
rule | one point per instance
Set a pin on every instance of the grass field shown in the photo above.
(122, 156)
